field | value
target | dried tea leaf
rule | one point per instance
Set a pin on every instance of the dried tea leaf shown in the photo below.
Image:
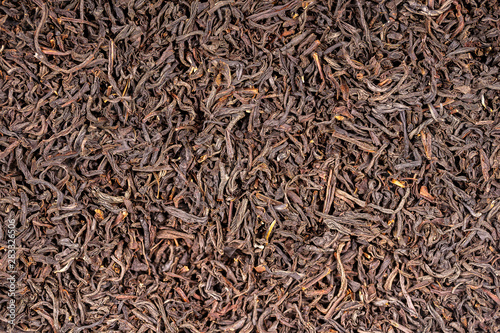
(485, 164)
(426, 137)
(425, 193)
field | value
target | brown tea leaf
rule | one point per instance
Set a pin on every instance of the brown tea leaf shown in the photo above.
(485, 164)
(426, 137)
(425, 193)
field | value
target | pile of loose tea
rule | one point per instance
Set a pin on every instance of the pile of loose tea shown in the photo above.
(250, 166)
